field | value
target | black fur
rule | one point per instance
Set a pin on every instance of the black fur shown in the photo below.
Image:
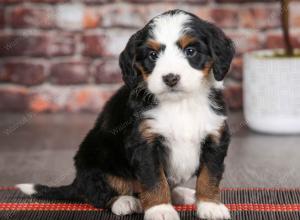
(220, 48)
(213, 154)
(127, 59)
(115, 145)
(217, 101)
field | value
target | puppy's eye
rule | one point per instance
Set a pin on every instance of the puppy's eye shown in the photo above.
(153, 55)
(190, 51)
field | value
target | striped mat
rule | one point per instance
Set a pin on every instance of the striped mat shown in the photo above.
(245, 204)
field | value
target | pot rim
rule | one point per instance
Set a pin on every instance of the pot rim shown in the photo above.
(259, 54)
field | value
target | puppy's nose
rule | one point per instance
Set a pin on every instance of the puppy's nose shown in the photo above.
(171, 79)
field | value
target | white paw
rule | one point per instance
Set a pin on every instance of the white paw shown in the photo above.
(211, 210)
(161, 212)
(26, 188)
(183, 195)
(126, 205)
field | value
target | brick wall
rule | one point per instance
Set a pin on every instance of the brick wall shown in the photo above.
(61, 55)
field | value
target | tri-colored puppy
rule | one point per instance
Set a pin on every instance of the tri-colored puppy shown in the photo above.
(164, 126)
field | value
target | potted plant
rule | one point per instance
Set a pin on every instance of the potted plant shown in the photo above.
(272, 85)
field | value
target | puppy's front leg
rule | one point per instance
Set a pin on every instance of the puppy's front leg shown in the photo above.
(210, 174)
(156, 201)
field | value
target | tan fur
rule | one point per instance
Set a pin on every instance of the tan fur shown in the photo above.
(160, 194)
(207, 68)
(185, 40)
(123, 186)
(145, 131)
(120, 185)
(216, 137)
(153, 45)
(142, 71)
(207, 188)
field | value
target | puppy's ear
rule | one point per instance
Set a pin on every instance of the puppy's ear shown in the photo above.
(126, 61)
(222, 51)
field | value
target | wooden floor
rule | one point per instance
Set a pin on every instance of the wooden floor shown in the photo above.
(39, 148)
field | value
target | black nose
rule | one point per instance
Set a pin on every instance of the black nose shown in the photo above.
(171, 79)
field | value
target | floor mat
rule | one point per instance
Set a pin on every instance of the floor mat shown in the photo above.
(245, 204)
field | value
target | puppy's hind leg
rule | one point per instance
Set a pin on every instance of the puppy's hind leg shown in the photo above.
(94, 188)
(125, 203)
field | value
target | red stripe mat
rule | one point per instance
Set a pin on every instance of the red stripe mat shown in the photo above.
(244, 204)
(182, 208)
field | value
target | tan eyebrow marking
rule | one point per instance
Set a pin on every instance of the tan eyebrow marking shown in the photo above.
(185, 40)
(154, 45)
(207, 68)
(143, 72)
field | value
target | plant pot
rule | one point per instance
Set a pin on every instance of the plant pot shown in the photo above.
(272, 92)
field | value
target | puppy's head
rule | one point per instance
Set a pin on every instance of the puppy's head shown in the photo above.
(174, 54)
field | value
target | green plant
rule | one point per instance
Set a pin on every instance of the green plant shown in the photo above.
(285, 27)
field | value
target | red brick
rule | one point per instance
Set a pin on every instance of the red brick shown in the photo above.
(36, 1)
(37, 45)
(93, 45)
(109, 44)
(91, 18)
(98, 1)
(294, 14)
(244, 1)
(224, 17)
(14, 98)
(236, 70)
(71, 99)
(11, 1)
(152, 10)
(24, 17)
(47, 99)
(260, 17)
(125, 16)
(276, 41)
(61, 44)
(50, 1)
(107, 71)
(203, 13)
(73, 72)
(88, 99)
(14, 45)
(233, 95)
(70, 16)
(116, 40)
(3, 73)
(245, 42)
(165, 1)
(23, 73)
(2, 18)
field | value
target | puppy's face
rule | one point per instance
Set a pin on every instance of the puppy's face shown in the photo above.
(175, 54)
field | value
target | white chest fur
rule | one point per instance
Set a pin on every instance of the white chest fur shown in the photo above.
(184, 124)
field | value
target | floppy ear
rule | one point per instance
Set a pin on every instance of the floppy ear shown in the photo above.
(126, 61)
(222, 51)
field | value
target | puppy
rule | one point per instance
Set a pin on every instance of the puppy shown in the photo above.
(164, 126)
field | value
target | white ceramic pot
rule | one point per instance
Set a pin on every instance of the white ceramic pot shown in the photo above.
(272, 92)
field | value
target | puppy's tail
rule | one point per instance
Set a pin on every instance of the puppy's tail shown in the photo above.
(68, 192)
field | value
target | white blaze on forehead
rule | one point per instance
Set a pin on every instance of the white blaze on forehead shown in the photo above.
(169, 27)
